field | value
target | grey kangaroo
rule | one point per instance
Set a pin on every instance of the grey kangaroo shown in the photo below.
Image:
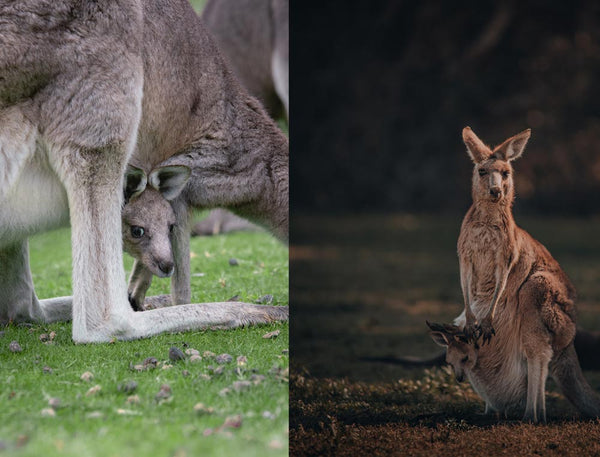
(512, 286)
(85, 87)
(254, 37)
(500, 372)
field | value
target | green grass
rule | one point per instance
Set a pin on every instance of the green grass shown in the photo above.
(105, 424)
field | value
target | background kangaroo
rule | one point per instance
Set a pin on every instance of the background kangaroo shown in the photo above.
(86, 86)
(505, 273)
(499, 372)
(253, 35)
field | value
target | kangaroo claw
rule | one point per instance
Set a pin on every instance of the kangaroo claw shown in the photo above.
(487, 331)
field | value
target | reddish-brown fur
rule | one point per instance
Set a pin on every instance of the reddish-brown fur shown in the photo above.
(510, 282)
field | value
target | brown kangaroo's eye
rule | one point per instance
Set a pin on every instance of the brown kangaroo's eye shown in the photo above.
(505, 174)
(482, 172)
(465, 359)
(137, 231)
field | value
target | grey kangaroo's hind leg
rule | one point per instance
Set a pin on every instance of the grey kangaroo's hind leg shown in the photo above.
(17, 298)
(18, 301)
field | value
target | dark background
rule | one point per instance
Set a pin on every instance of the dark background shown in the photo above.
(381, 91)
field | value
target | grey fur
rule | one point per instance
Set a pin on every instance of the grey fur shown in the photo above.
(85, 86)
(253, 35)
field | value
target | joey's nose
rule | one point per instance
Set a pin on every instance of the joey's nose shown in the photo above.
(166, 267)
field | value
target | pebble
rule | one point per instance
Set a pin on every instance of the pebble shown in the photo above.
(176, 354)
(14, 346)
(93, 390)
(48, 412)
(87, 376)
(265, 299)
(195, 358)
(54, 402)
(150, 362)
(242, 360)
(233, 421)
(208, 354)
(47, 369)
(271, 335)
(191, 351)
(127, 387)
(200, 408)
(133, 399)
(223, 358)
(164, 392)
(233, 262)
(240, 386)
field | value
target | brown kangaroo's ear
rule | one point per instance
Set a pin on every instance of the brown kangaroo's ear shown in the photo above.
(170, 180)
(440, 338)
(475, 147)
(512, 148)
(134, 183)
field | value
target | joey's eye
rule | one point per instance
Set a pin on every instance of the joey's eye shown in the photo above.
(482, 172)
(465, 359)
(505, 174)
(137, 231)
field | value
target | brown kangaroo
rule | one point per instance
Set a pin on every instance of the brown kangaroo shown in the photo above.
(508, 376)
(507, 277)
(501, 263)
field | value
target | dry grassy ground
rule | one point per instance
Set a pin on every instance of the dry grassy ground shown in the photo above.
(362, 286)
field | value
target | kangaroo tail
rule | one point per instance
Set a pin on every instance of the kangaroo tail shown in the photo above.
(408, 361)
(565, 370)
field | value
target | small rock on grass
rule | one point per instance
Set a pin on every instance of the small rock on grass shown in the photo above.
(150, 362)
(164, 392)
(176, 354)
(208, 355)
(271, 335)
(14, 346)
(133, 399)
(191, 352)
(242, 360)
(93, 390)
(127, 387)
(265, 300)
(48, 412)
(240, 386)
(87, 376)
(47, 369)
(195, 358)
(54, 402)
(233, 421)
(233, 262)
(201, 408)
(223, 358)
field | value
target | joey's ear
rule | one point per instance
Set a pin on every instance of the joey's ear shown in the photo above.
(439, 338)
(512, 148)
(170, 180)
(134, 183)
(477, 150)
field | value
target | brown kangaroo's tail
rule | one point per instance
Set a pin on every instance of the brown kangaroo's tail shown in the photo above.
(565, 370)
